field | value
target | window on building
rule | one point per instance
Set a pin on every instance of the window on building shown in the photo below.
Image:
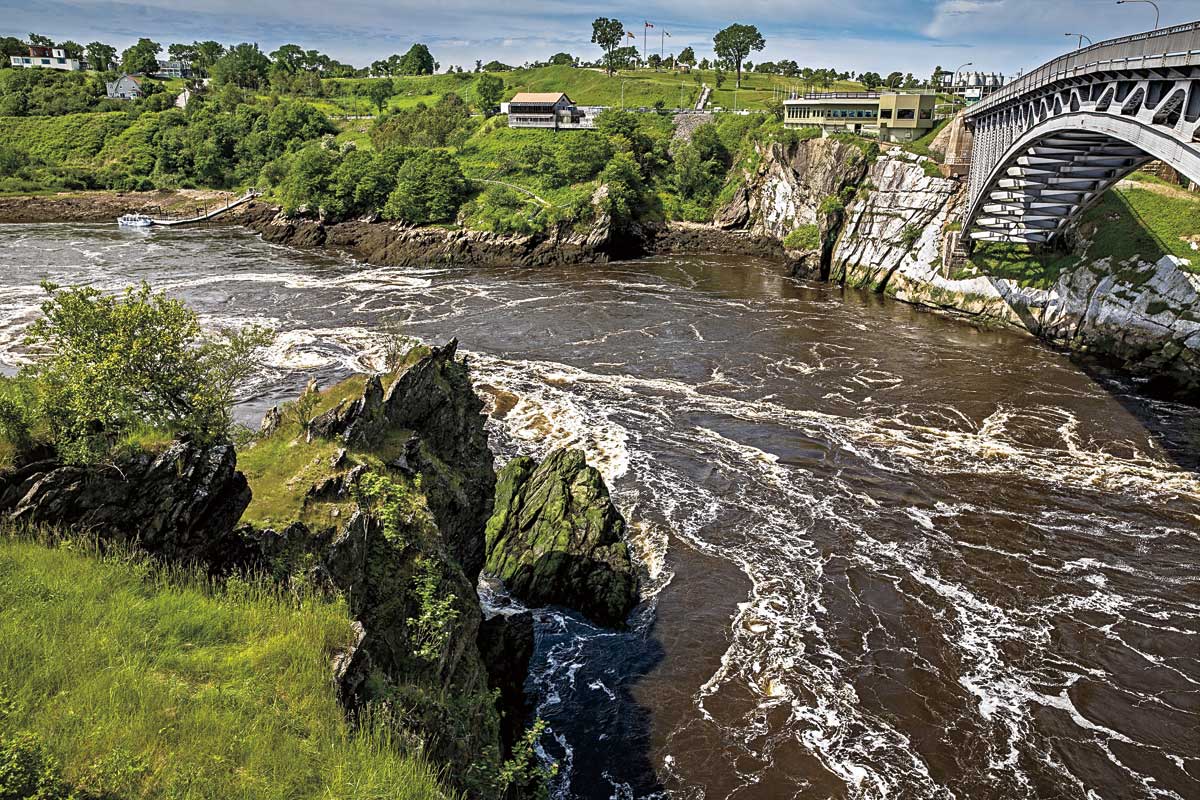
(885, 113)
(926, 113)
(906, 113)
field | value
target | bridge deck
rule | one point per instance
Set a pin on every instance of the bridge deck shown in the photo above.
(170, 221)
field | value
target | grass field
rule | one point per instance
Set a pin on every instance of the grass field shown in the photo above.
(145, 684)
(631, 89)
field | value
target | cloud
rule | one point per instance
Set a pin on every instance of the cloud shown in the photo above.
(906, 35)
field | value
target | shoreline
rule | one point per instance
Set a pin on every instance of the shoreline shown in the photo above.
(395, 244)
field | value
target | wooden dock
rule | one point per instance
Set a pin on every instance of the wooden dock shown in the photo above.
(208, 214)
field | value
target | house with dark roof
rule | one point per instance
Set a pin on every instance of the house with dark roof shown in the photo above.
(126, 87)
(46, 58)
(545, 110)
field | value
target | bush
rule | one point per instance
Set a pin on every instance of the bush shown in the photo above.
(27, 771)
(806, 237)
(111, 365)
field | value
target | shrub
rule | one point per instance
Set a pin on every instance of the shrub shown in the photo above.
(806, 237)
(109, 365)
(27, 771)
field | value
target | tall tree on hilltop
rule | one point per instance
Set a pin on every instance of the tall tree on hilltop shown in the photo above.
(37, 40)
(141, 57)
(687, 56)
(243, 65)
(735, 43)
(417, 61)
(207, 53)
(608, 33)
(72, 49)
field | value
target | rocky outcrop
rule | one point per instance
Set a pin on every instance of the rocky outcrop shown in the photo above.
(557, 539)
(506, 643)
(397, 244)
(898, 219)
(446, 444)
(181, 504)
(785, 185)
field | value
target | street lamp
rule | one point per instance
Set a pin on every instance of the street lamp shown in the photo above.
(1151, 2)
(1081, 38)
(968, 64)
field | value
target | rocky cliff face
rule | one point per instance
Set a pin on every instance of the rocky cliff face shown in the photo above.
(557, 539)
(889, 240)
(786, 185)
(396, 244)
(180, 504)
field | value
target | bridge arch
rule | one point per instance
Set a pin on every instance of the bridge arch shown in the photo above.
(1060, 167)
(1048, 145)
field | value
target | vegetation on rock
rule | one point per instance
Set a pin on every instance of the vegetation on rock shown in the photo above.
(556, 538)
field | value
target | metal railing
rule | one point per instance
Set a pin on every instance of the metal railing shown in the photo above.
(1176, 46)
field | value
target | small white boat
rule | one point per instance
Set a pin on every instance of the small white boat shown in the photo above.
(134, 221)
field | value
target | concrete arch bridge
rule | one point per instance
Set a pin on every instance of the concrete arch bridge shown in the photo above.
(1048, 145)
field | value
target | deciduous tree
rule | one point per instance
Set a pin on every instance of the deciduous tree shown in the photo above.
(608, 33)
(735, 43)
(141, 57)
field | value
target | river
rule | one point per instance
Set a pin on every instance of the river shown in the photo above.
(890, 555)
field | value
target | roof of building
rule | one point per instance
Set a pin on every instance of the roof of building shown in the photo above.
(539, 97)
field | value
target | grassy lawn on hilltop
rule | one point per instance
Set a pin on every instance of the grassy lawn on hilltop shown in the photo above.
(592, 87)
(141, 683)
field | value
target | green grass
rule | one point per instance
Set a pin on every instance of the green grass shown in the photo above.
(145, 683)
(70, 140)
(630, 88)
(921, 146)
(1128, 223)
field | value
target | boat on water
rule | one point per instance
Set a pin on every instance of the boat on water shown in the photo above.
(134, 221)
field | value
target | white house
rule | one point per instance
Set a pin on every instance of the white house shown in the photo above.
(126, 87)
(47, 58)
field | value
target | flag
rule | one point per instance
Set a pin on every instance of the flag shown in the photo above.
(667, 34)
(649, 24)
(630, 34)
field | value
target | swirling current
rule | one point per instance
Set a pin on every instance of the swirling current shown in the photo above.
(889, 555)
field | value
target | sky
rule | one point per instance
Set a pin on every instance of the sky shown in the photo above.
(850, 35)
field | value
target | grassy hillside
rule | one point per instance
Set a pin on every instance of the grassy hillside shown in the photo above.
(585, 86)
(1144, 217)
(141, 684)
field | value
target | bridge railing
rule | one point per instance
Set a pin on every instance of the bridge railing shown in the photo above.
(1176, 46)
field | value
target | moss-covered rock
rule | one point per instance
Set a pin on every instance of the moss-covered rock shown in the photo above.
(557, 539)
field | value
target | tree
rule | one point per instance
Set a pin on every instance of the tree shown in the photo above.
(101, 57)
(719, 78)
(735, 43)
(243, 65)
(935, 80)
(379, 92)
(654, 60)
(489, 89)
(497, 66)
(561, 60)
(417, 61)
(182, 52)
(871, 80)
(72, 49)
(687, 56)
(141, 57)
(37, 40)
(608, 33)
(208, 53)
(478, 65)
(289, 58)
(112, 364)
(430, 187)
(893, 79)
(705, 64)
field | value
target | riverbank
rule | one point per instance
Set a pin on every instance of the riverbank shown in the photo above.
(884, 234)
(104, 206)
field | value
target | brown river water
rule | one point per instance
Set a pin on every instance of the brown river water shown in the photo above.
(889, 555)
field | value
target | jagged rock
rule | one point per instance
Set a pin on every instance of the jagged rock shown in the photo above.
(556, 538)
(351, 666)
(506, 644)
(271, 422)
(181, 504)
